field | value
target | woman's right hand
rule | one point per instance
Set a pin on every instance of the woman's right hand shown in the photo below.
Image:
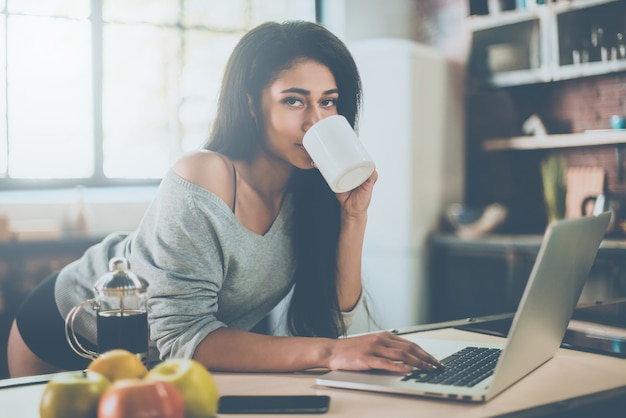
(381, 350)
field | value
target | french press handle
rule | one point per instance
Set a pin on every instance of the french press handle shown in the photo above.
(70, 332)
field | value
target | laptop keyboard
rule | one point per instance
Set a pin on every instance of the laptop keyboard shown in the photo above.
(466, 367)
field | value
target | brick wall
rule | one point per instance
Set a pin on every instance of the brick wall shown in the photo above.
(589, 102)
(570, 105)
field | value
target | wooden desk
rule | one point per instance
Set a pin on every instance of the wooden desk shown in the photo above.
(570, 381)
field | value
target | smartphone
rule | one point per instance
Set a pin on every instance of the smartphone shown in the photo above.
(270, 404)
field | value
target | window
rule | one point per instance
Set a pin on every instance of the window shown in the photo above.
(109, 92)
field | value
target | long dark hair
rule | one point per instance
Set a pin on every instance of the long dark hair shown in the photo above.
(255, 63)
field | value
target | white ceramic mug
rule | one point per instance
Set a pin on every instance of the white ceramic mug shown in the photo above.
(338, 153)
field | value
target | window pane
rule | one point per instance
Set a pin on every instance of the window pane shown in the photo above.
(3, 100)
(205, 57)
(217, 14)
(50, 98)
(140, 99)
(149, 11)
(67, 8)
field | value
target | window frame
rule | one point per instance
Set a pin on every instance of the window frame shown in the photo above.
(98, 178)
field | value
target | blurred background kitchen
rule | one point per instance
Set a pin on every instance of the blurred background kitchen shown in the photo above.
(487, 119)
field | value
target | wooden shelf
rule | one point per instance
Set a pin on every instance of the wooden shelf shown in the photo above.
(509, 17)
(587, 139)
(564, 7)
(17, 250)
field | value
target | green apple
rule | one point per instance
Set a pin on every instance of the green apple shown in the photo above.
(194, 382)
(73, 394)
(136, 398)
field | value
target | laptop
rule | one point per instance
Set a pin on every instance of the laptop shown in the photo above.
(556, 281)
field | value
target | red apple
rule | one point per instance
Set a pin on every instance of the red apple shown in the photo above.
(135, 398)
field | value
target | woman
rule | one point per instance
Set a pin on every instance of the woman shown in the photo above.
(235, 227)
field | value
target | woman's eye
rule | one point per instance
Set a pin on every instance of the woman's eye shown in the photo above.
(292, 101)
(329, 102)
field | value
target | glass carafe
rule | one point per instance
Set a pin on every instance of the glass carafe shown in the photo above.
(120, 304)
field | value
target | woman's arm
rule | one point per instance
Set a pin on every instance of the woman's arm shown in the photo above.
(354, 206)
(349, 250)
(235, 350)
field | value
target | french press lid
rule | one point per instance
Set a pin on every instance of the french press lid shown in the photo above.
(120, 281)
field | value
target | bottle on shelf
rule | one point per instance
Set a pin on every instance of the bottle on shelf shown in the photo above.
(620, 46)
(585, 52)
(597, 47)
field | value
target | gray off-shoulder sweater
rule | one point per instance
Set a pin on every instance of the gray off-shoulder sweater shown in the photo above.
(205, 270)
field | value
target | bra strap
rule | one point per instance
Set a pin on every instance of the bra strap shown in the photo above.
(235, 187)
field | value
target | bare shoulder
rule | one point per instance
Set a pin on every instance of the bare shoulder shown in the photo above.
(210, 170)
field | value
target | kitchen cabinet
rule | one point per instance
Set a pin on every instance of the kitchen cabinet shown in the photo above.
(487, 275)
(527, 59)
(536, 43)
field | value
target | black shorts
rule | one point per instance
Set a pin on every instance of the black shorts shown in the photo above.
(43, 329)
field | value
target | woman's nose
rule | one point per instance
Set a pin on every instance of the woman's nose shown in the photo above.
(314, 115)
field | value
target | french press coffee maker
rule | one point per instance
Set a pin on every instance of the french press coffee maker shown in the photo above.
(120, 304)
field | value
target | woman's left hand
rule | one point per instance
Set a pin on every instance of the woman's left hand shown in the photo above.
(355, 202)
